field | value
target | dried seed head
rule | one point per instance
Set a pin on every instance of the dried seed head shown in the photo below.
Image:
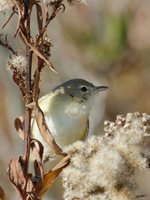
(19, 63)
(104, 167)
(45, 45)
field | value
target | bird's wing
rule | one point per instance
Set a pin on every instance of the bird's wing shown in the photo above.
(86, 131)
(44, 102)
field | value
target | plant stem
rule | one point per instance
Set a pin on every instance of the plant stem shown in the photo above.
(28, 98)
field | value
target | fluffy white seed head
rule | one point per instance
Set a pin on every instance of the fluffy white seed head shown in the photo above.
(18, 62)
(103, 168)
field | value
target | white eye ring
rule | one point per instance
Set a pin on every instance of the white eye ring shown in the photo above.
(84, 88)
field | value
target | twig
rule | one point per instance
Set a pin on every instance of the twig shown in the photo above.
(6, 45)
(8, 19)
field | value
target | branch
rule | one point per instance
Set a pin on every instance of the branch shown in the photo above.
(8, 19)
(28, 97)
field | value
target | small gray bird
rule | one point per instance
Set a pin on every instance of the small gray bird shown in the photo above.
(66, 109)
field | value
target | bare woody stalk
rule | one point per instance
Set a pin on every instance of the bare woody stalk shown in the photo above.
(28, 98)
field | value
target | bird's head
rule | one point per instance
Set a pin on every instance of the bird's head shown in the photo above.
(80, 90)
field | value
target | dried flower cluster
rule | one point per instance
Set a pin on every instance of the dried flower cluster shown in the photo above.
(103, 168)
(18, 62)
(45, 45)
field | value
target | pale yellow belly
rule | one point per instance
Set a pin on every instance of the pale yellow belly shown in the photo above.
(65, 130)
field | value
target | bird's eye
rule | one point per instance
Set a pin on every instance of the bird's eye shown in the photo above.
(83, 89)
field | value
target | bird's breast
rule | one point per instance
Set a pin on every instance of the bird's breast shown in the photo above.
(67, 121)
(68, 124)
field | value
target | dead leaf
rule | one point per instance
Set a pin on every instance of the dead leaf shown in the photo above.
(19, 123)
(39, 17)
(45, 132)
(37, 51)
(22, 182)
(16, 175)
(37, 151)
(50, 177)
(20, 8)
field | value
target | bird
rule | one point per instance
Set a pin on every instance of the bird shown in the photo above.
(66, 109)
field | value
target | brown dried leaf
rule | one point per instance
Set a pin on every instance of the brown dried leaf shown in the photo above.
(37, 151)
(46, 13)
(36, 51)
(20, 9)
(39, 17)
(45, 132)
(19, 123)
(36, 89)
(2, 194)
(16, 175)
(22, 183)
(50, 177)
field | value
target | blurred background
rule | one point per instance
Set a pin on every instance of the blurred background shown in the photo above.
(106, 42)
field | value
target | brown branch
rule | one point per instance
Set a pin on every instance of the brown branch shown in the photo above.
(28, 99)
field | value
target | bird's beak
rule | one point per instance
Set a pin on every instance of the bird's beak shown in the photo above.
(100, 88)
